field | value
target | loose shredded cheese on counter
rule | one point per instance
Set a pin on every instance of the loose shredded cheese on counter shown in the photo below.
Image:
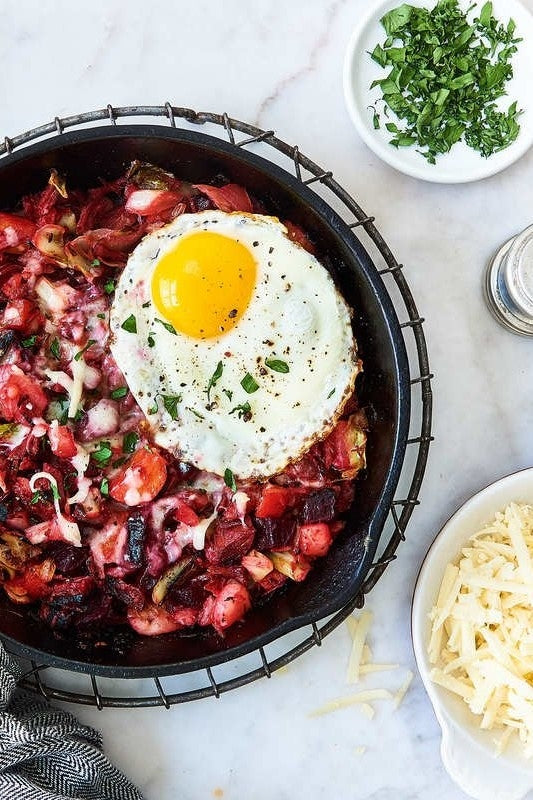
(481, 642)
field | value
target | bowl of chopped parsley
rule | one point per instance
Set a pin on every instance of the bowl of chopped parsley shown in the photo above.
(442, 90)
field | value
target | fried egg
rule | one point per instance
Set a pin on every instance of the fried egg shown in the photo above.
(234, 341)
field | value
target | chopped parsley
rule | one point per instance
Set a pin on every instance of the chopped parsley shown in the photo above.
(249, 384)
(276, 365)
(109, 287)
(215, 377)
(119, 392)
(83, 350)
(102, 454)
(129, 443)
(243, 411)
(446, 73)
(104, 487)
(170, 328)
(151, 340)
(29, 342)
(55, 491)
(228, 393)
(146, 305)
(95, 262)
(101, 316)
(130, 324)
(36, 497)
(196, 413)
(331, 393)
(171, 401)
(54, 348)
(229, 479)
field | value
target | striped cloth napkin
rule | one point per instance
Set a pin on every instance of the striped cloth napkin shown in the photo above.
(47, 754)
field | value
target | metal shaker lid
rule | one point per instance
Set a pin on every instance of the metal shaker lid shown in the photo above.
(518, 272)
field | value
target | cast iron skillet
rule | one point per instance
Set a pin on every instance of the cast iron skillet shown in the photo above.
(87, 156)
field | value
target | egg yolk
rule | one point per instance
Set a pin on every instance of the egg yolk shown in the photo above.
(204, 284)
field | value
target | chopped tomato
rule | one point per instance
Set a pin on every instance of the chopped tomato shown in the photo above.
(139, 480)
(314, 539)
(21, 397)
(22, 315)
(298, 236)
(230, 197)
(15, 232)
(275, 500)
(61, 440)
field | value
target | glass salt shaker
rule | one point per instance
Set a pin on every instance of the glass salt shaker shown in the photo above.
(509, 284)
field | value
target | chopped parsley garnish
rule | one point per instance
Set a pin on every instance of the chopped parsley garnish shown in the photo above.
(130, 324)
(217, 374)
(446, 74)
(243, 410)
(171, 401)
(79, 354)
(95, 262)
(153, 409)
(129, 443)
(249, 384)
(151, 340)
(78, 415)
(29, 342)
(229, 479)
(104, 487)
(101, 316)
(276, 365)
(196, 413)
(146, 305)
(119, 392)
(109, 287)
(170, 328)
(36, 497)
(228, 393)
(54, 348)
(55, 491)
(331, 393)
(102, 454)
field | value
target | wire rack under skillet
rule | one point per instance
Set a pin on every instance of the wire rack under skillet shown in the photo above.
(84, 689)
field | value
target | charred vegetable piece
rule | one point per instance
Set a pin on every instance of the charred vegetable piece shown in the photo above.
(344, 449)
(6, 340)
(148, 176)
(136, 533)
(58, 182)
(176, 572)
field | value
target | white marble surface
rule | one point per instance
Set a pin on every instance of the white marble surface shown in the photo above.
(279, 64)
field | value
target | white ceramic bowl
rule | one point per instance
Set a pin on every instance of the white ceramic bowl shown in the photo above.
(461, 164)
(467, 751)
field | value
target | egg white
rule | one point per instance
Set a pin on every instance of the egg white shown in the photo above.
(295, 315)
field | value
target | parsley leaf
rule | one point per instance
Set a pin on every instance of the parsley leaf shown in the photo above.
(102, 454)
(217, 374)
(109, 287)
(29, 342)
(171, 404)
(119, 392)
(244, 411)
(54, 348)
(79, 354)
(129, 443)
(249, 384)
(130, 324)
(276, 365)
(104, 487)
(170, 328)
(229, 479)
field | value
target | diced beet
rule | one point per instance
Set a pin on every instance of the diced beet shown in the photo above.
(230, 541)
(127, 593)
(318, 507)
(192, 593)
(275, 533)
(68, 559)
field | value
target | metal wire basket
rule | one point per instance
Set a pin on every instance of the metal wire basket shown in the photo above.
(84, 689)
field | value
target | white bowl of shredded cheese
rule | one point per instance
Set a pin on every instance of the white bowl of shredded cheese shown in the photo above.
(472, 626)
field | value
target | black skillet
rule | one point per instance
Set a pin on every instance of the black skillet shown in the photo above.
(104, 152)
